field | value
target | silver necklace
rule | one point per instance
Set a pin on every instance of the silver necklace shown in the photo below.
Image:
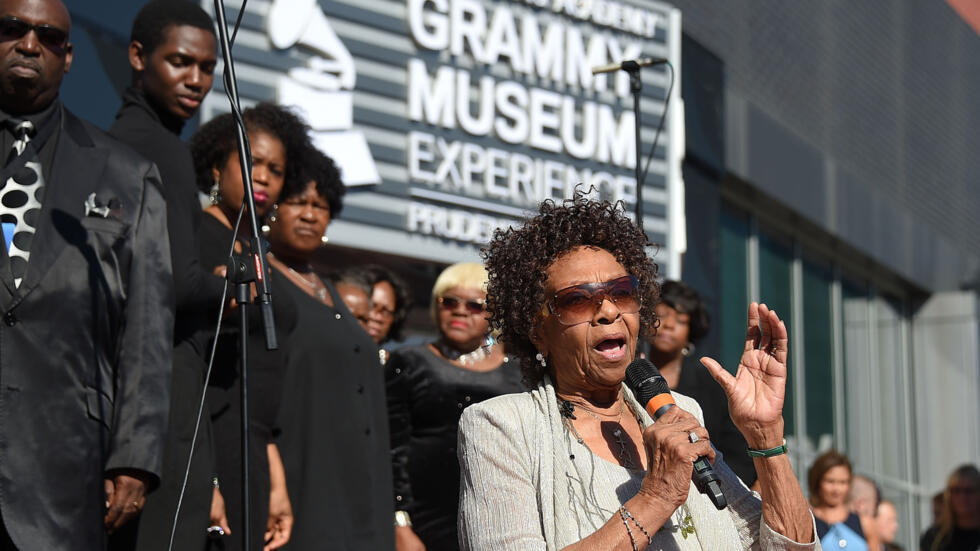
(567, 407)
(483, 351)
(319, 290)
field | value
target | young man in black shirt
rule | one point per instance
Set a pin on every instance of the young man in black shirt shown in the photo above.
(173, 52)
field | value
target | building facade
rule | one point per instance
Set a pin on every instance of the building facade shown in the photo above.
(817, 156)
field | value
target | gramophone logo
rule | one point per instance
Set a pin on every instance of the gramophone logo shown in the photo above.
(322, 89)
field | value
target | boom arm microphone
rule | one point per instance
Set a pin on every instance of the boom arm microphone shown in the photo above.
(629, 65)
(651, 390)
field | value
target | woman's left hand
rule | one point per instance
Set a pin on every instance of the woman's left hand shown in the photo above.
(757, 391)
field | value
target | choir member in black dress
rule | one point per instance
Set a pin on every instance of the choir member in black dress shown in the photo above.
(390, 303)
(277, 139)
(173, 52)
(684, 321)
(354, 288)
(428, 388)
(334, 428)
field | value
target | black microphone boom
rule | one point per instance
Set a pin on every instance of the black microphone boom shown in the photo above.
(629, 65)
(651, 390)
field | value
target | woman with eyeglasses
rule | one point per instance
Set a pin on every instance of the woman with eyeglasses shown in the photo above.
(390, 303)
(429, 386)
(576, 462)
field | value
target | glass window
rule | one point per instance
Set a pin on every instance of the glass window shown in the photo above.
(734, 286)
(775, 290)
(851, 378)
(818, 356)
(891, 380)
(858, 367)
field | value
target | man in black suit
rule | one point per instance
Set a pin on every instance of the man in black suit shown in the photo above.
(86, 295)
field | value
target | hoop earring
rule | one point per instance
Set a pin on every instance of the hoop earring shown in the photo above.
(214, 194)
(688, 349)
(541, 360)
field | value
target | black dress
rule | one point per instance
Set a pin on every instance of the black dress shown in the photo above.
(426, 396)
(334, 440)
(695, 381)
(265, 372)
(958, 540)
(198, 292)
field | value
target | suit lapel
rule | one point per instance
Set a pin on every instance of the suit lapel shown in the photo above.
(75, 170)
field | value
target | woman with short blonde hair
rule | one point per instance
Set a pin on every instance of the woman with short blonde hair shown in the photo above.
(428, 388)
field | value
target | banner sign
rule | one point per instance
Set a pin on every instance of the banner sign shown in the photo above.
(452, 118)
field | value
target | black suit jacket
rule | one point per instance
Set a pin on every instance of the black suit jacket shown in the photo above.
(85, 344)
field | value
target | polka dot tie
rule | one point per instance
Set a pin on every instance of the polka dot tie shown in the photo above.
(20, 202)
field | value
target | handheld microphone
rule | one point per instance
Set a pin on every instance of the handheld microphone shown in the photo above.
(651, 390)
(630, 65)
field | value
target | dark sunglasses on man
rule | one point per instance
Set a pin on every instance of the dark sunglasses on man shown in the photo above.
(472, 306)
(49, 36)
(579, 303)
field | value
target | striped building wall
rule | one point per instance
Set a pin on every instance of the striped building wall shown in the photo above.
(432, 171)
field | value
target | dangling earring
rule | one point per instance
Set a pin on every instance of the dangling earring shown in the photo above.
(541, 360)
(324, 239)
(272, 216)
(688, 349)
(214, 194)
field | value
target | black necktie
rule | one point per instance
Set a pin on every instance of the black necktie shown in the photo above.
(20, 202)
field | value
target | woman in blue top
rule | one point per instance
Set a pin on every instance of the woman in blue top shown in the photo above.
(838, 527)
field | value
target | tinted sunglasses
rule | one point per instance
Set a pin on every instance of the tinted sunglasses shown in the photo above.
(51, 37)
(472, 306)
(579, 303)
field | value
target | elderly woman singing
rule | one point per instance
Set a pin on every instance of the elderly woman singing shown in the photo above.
(576, 463)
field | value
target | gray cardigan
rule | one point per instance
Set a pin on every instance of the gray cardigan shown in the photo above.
(521, 488)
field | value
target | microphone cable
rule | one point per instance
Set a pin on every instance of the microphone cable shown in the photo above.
(235, 108)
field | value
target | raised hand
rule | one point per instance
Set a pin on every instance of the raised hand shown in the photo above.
(757, 391)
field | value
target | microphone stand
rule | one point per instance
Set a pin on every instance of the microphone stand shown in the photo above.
(242, 272)
(636, 88)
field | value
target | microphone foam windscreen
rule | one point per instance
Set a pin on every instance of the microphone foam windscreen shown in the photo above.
(645, 380)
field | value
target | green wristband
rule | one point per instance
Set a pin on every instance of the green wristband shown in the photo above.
(778, 450)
